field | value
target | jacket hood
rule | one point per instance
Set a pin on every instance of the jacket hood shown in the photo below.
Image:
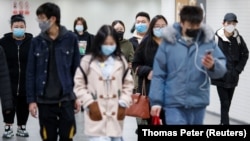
(172, 33)
(62, 32)
(222, 35)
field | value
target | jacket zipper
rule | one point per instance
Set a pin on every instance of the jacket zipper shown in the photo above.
(19, 68)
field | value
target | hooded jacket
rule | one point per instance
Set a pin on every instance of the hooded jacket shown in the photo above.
(89, 38)
(17, 57)
(66, 59)
(236, 52)
(179, 78)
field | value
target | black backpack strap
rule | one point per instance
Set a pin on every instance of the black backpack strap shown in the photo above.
(84, 75)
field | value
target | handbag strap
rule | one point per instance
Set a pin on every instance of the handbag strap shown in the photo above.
(143, 91)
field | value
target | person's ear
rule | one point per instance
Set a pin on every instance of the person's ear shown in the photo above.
(53, 19)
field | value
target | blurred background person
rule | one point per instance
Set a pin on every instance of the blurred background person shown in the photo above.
(142, 20)
(16, 45)
(84, 37)
(144, 56)
(235, 49)
(125, 45)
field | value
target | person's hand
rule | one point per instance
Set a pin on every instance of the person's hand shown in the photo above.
(155, 111)
(208, 61)
(33, 109)
(77, 106)
(130, 65)
(150, 75)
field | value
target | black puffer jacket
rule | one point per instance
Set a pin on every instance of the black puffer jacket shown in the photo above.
(5, 89)
(236, 52)
(17, 61)
(143, 61)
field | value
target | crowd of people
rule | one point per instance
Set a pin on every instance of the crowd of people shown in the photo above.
(59, 72)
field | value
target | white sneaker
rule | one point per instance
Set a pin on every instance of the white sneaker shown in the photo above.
(21, 131)
(8, 132)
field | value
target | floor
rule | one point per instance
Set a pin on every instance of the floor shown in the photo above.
(129, 128)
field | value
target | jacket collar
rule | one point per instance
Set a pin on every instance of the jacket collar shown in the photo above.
(117, 65)
(173, 33)
(62, 32)
(222, 35)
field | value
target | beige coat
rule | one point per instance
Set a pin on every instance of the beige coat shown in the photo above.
(107, 96)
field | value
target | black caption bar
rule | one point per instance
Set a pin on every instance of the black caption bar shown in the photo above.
(194, 132)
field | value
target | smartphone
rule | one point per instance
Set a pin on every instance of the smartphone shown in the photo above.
(209, 51)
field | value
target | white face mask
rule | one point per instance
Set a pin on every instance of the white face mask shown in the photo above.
(230, 28)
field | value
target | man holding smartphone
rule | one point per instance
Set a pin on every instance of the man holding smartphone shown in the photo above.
(185, 61)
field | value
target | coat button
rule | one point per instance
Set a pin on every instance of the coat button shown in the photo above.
(45, 71)
(113, 113)
(44, 83)
(100, 78)
(46, 60)
(67, 52)
(37, 54)
(101, 96)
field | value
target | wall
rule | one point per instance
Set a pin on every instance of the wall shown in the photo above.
(96, 13)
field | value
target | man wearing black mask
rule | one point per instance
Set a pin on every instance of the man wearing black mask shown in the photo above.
(185, 61)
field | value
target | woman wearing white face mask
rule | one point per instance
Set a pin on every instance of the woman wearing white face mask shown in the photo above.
(234, 47)
(16, 45)
(144, 57)
(84, 37)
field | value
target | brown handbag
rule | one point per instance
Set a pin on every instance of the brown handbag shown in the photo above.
(140, 105)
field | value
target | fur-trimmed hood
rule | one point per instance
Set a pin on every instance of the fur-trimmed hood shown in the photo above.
(222, 35)
(172, 33)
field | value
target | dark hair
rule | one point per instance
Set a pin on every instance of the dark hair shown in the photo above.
(192, 14)
(102, 34)
(17, 18)
(116, 22)
(50, 9)
(152, 24)
(143, 14)
(132, 28)
(84, 23)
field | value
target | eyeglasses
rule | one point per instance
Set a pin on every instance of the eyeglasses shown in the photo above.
(160, 26)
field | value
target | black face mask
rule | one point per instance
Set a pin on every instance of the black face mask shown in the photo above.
(120, 35)
(192, 32)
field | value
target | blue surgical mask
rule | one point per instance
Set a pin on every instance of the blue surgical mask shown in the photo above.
(157, 32)
(141, 27)
(18, 32)
(44, 25)
(108, 49)
(79, 28)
